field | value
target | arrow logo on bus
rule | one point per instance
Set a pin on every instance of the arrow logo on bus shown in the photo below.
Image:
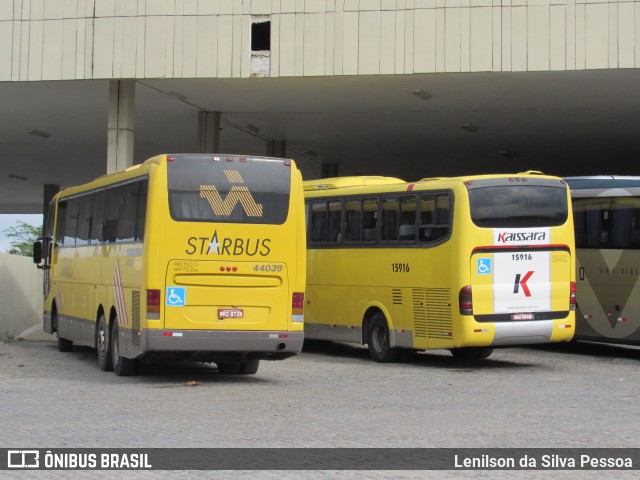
(522, 283)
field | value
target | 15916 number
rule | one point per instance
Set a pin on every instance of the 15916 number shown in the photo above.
(400, 267)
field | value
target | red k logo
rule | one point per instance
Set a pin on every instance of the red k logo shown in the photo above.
(522, 283)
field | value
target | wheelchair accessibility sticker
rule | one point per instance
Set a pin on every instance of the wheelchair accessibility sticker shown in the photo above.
(484, 266)
(176, 296)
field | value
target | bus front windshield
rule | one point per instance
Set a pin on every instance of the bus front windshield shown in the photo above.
(228, 189)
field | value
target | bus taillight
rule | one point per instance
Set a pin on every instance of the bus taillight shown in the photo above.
(297, 306)
(153, 304)
(572, 296)
(465, 300)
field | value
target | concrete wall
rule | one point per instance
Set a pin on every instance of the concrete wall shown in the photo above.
(20, 295)
(84, 39)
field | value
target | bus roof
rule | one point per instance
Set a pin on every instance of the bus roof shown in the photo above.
(602, 182)
(354, 181)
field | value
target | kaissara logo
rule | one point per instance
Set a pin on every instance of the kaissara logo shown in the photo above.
(509, 237)
(218, 245)
(521, 236)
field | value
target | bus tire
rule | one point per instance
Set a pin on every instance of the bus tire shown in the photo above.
(229, 368)
(102, 346)
(123, 367)
(379, 341)
(249, 367)
(471, 353)
(64, 344)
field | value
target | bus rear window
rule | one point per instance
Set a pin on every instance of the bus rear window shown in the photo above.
(228, 189)
(518, 206)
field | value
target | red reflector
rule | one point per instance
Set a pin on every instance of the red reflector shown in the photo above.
(170, 159)
(153, 297)
(297, 300)
(243, 160)
(287, 164)
(283, 335)
(410, 187)
(167, 334)
(229, 159)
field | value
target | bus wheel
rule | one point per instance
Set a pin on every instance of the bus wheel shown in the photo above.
(471, 353)
(102, 346)
(249, 367)
(64, 344)
(379, 342)
(229, 368)
(121, 365)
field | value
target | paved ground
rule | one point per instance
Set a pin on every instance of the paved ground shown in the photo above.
(330, 396)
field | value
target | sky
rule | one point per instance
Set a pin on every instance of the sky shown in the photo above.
(7, 221)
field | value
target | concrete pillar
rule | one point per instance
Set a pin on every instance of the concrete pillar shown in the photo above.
(329, 170)
(122, 97)
(48, 192)
(277, 148)
(209, 132)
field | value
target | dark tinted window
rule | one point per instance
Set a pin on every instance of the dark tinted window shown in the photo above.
(607, 222)
(400, 219)
(228, 189)
(116, 214)
(518, 206)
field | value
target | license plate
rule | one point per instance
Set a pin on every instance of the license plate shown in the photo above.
(230, 313)
(522, 316)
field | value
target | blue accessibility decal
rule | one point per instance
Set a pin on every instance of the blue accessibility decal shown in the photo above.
(484, 266)
(176, 296)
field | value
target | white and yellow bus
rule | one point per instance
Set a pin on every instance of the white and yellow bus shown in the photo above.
(465, 264)
(184, 256)
(607, 223)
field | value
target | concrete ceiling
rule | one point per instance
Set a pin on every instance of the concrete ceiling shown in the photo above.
(564, 123)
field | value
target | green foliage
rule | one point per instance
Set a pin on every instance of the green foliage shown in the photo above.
(22, 236)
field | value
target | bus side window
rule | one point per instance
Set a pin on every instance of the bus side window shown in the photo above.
(61, 221)
(335, 215)
(353, 210)
(319, 222)
(111, 215)
(390, 207)
(369, 219)
(434, 217)
(407, 231)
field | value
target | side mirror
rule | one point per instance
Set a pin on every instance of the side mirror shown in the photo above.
(37, 253)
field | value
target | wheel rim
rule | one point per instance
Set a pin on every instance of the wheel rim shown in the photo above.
(102, 341)
(114, 344)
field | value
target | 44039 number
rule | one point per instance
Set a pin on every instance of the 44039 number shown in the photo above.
(268, 268)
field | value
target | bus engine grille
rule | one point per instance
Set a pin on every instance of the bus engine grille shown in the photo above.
(432, 313)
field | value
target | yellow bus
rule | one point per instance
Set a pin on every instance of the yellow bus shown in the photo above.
(606, 213)
(198, 256)
(465, 264)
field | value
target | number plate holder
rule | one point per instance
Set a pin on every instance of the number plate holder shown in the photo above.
(230, 313)
(523, 316)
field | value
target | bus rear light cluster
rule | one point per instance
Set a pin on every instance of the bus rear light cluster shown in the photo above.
(297, 306)
(153, 304)
(465, 300)
(572, 297)
(228, 269)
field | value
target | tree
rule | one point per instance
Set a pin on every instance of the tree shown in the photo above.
(22, 236)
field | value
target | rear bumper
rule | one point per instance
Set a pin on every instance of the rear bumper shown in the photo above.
(281, 343)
